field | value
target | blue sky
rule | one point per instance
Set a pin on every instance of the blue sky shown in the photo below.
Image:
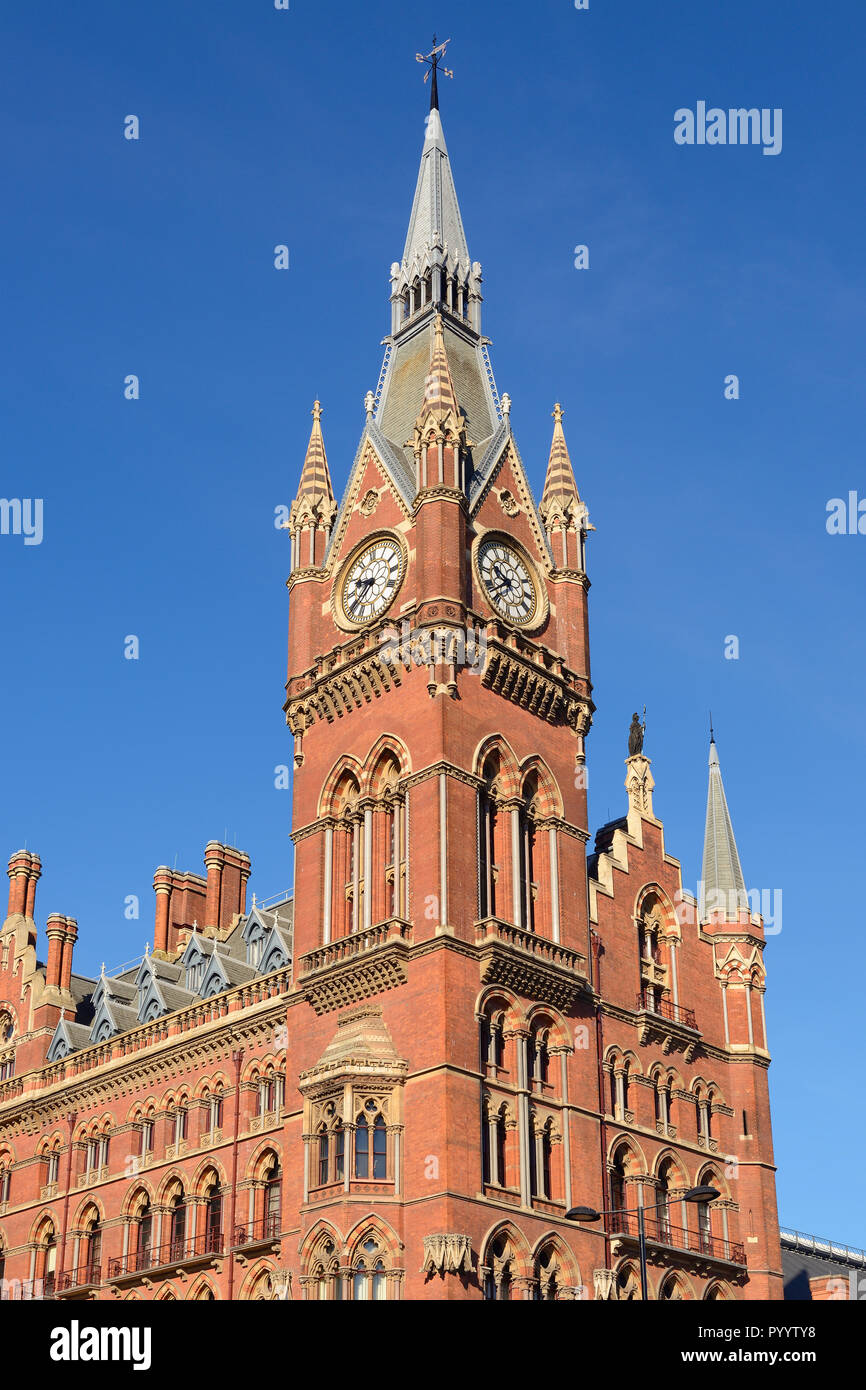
(305, 127)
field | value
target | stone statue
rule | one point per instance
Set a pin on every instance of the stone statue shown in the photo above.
(635, 736)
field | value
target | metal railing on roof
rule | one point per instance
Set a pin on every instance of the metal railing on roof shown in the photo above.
(821, 1246)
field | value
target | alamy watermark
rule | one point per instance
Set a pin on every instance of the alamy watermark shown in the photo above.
(428, 646)
(730, 904)
(22, 516)
(736, 126)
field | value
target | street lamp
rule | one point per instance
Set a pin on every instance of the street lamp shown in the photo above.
(704, 1193)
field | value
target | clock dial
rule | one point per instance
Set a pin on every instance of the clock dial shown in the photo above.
(507, 579)
(372, 580)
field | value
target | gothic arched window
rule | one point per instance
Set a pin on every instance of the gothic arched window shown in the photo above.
(273, 1198)
(177, 1226)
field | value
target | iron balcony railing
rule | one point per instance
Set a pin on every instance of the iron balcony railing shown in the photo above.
(79, 1278)
(266, 1228)
(171, 1253)
(665, 1008)
(662, 1232)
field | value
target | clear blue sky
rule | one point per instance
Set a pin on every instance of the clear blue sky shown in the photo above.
(155, 257)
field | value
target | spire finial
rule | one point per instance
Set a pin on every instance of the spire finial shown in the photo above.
(316, 411)
(712, 735)
(558, 413)
(433, 59)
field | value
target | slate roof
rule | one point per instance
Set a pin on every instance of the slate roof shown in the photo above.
(721, 872)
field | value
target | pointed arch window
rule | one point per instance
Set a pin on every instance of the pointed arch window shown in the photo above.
(273, 1199)
(324, 1155)
(368, 1281)
(92, 1261)
(525, 914)
(144, 1235)
(178, 1226)
(213, 1220)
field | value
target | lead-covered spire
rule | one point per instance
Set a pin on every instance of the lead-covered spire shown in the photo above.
(723, 885)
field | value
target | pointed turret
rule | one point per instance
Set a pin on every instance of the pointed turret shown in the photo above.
(723, 885)
(561, 510)
(440, 437)
(314, 508)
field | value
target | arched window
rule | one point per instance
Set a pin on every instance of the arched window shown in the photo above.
(2, 1263)
(539, 1058)
(213, 1220)
(143, 1235)
(5, 1180)
(667, 1183)
(380, 1149)
(525, 914)
(371, 1143)
(273, 1198)
(540, 1157)
(548, 1276)
(368, 1278)
(326, 1282)
(499, 1275)
(705, 1227)
(91, 1255)
(324, 1155)
(148, 1127)
(339, 1152)
(46, 1257)
(488, 837)
(493, 1041)
(494, 1145)
(618, 1201)
(177, 1226)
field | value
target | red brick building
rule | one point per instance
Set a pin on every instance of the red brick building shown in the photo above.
(463, 1024)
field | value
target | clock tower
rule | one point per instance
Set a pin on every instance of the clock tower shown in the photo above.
(443, 1027)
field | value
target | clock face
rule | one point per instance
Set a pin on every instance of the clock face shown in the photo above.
(507, 579)
(372, 580)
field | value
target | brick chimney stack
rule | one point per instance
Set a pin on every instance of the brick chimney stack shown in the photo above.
(19, 881)
(183, 899)
(66, 961)
(56, 931)
(162, 886)
(34, 874)
(228, 870)
(214, 859)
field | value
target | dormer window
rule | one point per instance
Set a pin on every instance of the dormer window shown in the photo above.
(254, 950)
(195, 975)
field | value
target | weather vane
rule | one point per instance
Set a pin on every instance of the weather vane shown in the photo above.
(433, 59)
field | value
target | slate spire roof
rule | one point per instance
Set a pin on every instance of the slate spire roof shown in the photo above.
(721, 874)
(435, 218)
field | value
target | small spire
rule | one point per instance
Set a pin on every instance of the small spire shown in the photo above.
(315, 481)
(559, 484)
(724, 887)
(440, 398)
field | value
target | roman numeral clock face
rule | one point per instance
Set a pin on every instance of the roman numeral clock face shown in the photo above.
(371, 581)
(508, 582)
